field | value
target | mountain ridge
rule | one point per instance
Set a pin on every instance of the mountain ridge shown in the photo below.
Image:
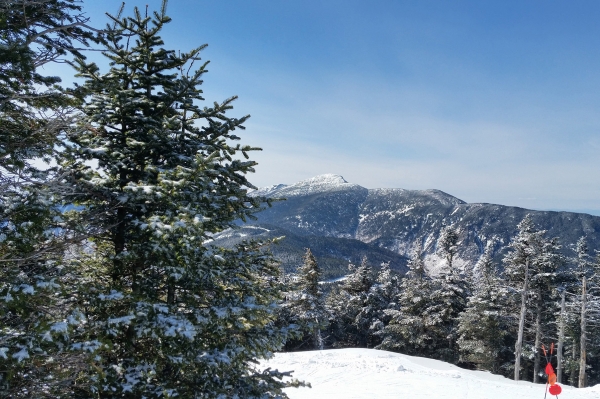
(395, 219)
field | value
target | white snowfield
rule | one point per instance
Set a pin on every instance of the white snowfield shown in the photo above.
(374, 374)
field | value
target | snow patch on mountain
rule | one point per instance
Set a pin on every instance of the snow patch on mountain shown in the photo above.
(369, 373)
(419, 196)
(322, 183)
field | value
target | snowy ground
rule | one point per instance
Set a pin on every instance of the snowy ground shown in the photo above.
(370, 374)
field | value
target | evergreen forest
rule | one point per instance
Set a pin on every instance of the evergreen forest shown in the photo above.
(536, 306)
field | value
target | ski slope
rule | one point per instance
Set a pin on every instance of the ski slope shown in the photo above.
(373, 374)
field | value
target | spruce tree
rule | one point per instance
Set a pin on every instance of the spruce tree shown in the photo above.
(305, 306)
(382, 298)
(350, 310)
(447, 300)
(167, 314)
(484, 327)
(408, 328)
(544, 285)
(447, 245)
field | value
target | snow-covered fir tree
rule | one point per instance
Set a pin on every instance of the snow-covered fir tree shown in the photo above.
(447, 244)
(545, 297)
(167, 314)
(407, 330)
(447, 300)
(370, 319)
(351, 313)
(305, 306)
(381, 299)
(518, 271)
(484, 328)
(425, 322)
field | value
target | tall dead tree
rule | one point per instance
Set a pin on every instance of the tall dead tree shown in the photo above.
(519, 343)
(587, 273)
(561, 338)
(583, 337)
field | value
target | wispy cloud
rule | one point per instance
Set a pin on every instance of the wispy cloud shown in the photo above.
(491, 103)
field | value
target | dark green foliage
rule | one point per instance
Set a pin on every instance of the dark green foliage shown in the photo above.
(166, 315)
(138, 306)
(36, 288)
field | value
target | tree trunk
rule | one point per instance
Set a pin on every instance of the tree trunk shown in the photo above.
(519, 344)
(318, 339)
(583, 338)
(538, 343)
(170, 293)
(525, 376)
(573, 376)
(119, 245)
(561, 339)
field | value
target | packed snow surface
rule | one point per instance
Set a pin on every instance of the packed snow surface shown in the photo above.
(369, 373)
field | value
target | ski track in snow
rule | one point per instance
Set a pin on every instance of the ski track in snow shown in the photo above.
(374, 374)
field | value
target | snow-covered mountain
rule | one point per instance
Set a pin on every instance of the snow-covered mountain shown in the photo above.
(369, 373)
(355, 221)
(317, 184)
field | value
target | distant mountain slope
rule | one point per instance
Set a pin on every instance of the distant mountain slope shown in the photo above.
(333, 253)
(326, 207)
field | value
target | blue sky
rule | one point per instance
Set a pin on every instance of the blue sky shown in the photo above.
(490, 101)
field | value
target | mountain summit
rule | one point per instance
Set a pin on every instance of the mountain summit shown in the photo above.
(321, 183)
(343, 221)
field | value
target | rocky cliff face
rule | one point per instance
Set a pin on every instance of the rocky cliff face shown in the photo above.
(347, 221)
